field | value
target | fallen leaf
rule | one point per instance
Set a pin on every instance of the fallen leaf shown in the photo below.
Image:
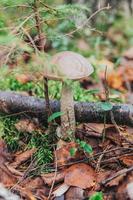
(6, 177)
(33, 184)
(26, 193)
(102, 64)
(63, 154)
(61, 190)
(101, 176)
(115, 181)
(22, 157)
(127, 160)
(14, 171)
(113, 134)
(122, 192)
(41, 194)
(24, 78)
(115, 81)
(26, 125)
(4, 155)
(74, 193)
(49, 178)
(80, 175)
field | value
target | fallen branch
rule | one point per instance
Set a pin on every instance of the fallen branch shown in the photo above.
(119, 173)
(16, 104)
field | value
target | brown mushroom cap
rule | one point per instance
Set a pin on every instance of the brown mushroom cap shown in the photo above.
(68, 65)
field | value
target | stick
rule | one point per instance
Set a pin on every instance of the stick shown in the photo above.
(13, 103)
(119, 173)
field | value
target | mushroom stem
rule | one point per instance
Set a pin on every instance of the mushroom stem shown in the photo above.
(67, 107)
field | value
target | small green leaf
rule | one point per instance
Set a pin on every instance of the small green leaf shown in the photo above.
(97, 196)
(82, 144)
(55, 115)
(88, 148)
(106, 106)
(73, 151)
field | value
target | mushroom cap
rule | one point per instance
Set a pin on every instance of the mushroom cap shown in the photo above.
(68, 65)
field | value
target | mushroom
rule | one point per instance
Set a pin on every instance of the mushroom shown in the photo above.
(73, 66)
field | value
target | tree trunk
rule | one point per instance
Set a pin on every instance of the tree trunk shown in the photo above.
(14, 103)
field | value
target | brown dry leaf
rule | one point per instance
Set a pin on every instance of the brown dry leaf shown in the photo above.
(127, 160)
(121, 192)
(94, 127)
(102, 66)
(41, 194)
(115, 80)
(22, 157)
(101, 176)
(6, 177)
(113, 134)
(115, 181)
(49, 178)
(74, 193)
(80, 175)
(63, 155)
(4, 155)
(33, 184)
(14, 171)
(36, 186)
(127, 134)
(26, 125)
(24, 192)
(24, 78)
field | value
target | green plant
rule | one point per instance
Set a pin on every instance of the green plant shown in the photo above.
(83, 146)
(96, 196)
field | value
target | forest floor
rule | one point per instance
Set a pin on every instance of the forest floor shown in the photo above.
(35, 164)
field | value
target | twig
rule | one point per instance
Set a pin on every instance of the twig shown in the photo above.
(46, 94)
(24, 6)
(86, 21)
(106, 90)
(18, 27)
(10, 52)
(86, 159)
(41, 47)
(38, 24)
(56, 167)
(31, 40)
(47, 6)
(100, 158)
(125, 171)
(114, 123)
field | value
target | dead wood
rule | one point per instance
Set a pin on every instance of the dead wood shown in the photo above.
(17, 104)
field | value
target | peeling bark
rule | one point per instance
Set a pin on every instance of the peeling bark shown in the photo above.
(15, 103)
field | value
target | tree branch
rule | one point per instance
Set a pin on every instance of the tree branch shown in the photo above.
(16, 104)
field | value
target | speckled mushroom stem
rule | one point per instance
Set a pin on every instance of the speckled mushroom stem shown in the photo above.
(67, 106)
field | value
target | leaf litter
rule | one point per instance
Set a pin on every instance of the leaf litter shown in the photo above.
(76, 174)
